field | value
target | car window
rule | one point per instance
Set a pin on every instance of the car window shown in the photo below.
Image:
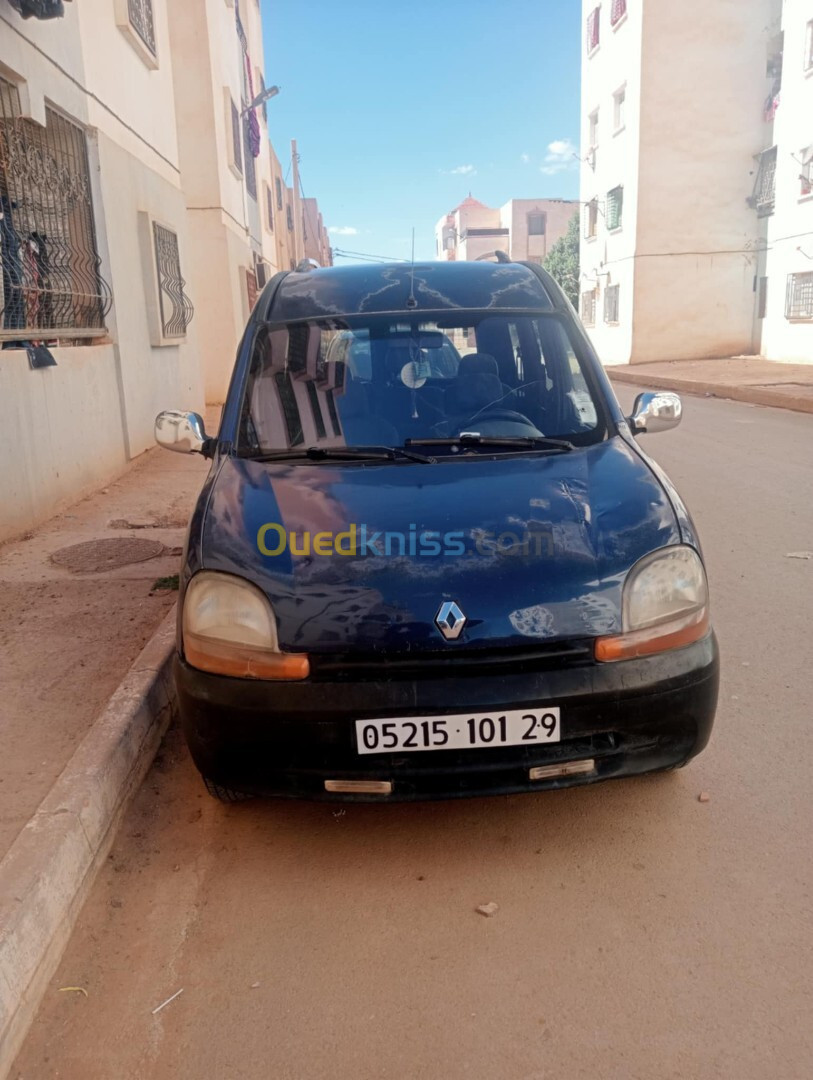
(381, 382)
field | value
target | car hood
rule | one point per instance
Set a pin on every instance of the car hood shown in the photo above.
(571, 525)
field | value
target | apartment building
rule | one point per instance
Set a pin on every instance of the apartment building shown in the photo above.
(142, 207)
(525, 229)
(676, 112)
(245, 222)
(783, 192)
(94, 249)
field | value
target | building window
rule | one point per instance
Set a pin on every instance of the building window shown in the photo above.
(591, 219)
(799, 297)
(806, 175)
(50, 261)
(176, 308)
(589, 307)
(537, 221)
(593, 23)
(617, 11)
(619, 108)
(290, 408)
(235, 145)
(611, 303)
(248, 157)
(763, 198)
(615, 208)
(289, 214)
(141, 20)
(762, 298)
(809, 47)
(269, 208)
(278, 186)
(316, 409)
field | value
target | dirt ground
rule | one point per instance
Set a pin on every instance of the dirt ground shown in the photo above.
(641, 934)
(67, 639)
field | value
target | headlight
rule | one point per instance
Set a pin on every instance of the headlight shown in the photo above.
(229, 628)
(664, 606)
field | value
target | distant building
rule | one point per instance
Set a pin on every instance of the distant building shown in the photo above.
(696, 176)
(523, 228)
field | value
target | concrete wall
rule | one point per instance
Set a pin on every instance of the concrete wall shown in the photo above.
(790, 229)
(61, 432)
(694, 182)
(69, 428)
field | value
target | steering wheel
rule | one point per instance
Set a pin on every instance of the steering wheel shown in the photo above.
(491, 416)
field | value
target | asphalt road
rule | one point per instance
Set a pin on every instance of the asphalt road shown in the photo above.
(640, 932)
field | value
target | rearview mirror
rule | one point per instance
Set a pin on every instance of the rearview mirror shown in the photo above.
(655, 412)
(181, 431)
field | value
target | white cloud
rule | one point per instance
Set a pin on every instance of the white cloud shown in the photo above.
(524, 158)
(343, 230)
(460, 170)
(562, 154)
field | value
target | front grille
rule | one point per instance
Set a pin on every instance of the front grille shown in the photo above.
(382, 667)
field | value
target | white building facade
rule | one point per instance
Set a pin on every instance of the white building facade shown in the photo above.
(678, 207)
(785, 286)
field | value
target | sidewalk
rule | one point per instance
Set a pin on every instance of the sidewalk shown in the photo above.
(741, 378)
(71, 628)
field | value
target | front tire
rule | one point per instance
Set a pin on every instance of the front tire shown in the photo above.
(225, 794)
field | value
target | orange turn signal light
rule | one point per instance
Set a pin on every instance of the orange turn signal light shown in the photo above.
(654, 639)
(243, 662)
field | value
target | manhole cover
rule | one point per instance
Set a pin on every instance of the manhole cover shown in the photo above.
(96, 556)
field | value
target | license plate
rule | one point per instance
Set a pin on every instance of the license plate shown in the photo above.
(519, 727)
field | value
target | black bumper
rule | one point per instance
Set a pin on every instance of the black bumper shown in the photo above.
(286, 739)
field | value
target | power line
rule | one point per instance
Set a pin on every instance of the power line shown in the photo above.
(366, 256)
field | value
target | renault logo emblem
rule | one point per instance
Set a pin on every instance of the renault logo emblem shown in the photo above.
(450, 620)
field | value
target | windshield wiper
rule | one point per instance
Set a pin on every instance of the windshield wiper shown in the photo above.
(340, 453)
(509, 442)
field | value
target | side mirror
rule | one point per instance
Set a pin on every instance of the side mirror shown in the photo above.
(181, 431)
(655, 412)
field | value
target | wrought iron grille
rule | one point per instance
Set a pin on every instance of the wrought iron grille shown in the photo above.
(764, 195)
(617, 11)
(50, 262)
(799, 297)
(589, 307)
(289, 214)
(176, 307)
(278, 186)
(141, 20)
(593, 29)
(615, 207)
(611, 303)
(269, 207)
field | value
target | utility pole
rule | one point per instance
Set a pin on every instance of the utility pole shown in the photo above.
(299, 245)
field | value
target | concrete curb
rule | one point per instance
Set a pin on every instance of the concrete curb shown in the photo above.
(48, 871)
(752, 395)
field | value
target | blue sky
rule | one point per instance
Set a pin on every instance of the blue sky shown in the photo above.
(401, 109)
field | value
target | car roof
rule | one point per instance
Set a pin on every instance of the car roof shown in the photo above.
(399, 288)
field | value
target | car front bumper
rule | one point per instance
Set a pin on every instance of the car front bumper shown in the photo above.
(288, 738)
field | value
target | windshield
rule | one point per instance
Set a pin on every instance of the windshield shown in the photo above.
(380, 382)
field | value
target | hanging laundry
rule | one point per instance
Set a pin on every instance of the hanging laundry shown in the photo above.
(39, 9)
